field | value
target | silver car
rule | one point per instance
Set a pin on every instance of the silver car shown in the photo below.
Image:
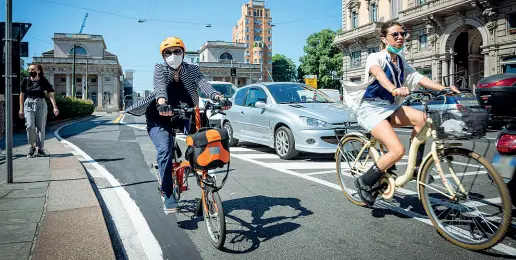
(289, 117)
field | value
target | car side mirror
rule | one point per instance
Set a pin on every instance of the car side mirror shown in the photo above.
(260, 104)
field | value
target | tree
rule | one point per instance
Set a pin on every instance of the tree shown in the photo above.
(300, 74)
(322, 59)
(283, 68)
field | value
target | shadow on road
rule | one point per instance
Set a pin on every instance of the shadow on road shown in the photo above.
(243, 236)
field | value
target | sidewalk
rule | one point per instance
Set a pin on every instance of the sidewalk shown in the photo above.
(50, 211)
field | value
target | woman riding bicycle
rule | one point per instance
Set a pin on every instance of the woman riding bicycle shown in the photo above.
(175, 82)
(388, 75)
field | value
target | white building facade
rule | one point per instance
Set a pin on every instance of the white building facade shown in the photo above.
(218, 57)
(95, 68)
(450, 41)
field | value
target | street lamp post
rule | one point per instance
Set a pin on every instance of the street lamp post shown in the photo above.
(73, 73)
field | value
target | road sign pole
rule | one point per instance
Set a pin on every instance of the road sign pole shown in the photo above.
(8, 91)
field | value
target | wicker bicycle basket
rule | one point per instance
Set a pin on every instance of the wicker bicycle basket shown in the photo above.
(464, 123)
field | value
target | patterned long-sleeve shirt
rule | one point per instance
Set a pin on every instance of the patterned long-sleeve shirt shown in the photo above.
(191, 77)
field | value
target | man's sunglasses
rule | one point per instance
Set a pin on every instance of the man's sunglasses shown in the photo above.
(397, 34)
(175, 52)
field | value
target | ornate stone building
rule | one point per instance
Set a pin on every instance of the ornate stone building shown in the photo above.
(218, 57)
(451, 40)
(95, 68)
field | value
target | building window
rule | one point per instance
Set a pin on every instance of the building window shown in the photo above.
(355, 59)
(78, 79)
(247, 37)
(247, 29)
(79, 51)
(270, 53)
(395, 8)
(270, 31)
(373, 12)
(256, 61)
(107, 79)
(266, 14)
(254, 12)
(420, 2)
(422, 42)
(247, 61)
(511, 22)
(372, 50)
(63, 80)
(247, 53)
(354, 19)
(93, 80)
(247, 20)
(270, 39)
(257, 38)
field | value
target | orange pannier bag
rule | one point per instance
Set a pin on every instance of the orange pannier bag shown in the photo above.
(208, 149)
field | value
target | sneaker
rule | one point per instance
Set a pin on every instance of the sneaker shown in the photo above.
(169, 204)
(32, 152)
(41, 153)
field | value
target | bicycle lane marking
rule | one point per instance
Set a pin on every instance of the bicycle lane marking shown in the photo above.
(145, 236)
(422, 218)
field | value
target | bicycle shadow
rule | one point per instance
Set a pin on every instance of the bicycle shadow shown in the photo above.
(243, 236)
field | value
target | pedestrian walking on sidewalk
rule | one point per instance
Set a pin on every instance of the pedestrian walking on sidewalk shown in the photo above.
(33, 107)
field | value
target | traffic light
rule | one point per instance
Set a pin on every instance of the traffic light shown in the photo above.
(233, 72)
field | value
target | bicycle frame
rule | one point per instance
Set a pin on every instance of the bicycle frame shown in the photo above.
(421, 138)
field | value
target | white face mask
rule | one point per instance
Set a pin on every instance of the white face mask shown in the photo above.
(174, 61)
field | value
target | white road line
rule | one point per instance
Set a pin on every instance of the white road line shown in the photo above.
(323, 172)
(500, 247)
(146, 238)
(259, 155)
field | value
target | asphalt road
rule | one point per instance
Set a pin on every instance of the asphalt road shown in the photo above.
(274, 209)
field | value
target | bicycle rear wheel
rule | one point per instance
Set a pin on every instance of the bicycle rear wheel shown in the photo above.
(214, 217)
(476, 219)
(349, 167)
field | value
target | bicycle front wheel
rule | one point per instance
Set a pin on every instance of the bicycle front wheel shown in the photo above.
(350, 166)
(214, 217)
(479, 215)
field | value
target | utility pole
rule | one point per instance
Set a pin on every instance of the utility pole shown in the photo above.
(8, 90)
(73, 73)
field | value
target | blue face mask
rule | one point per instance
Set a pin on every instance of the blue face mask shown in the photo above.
(394, 49)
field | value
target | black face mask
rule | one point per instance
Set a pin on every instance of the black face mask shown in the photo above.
(33, 74)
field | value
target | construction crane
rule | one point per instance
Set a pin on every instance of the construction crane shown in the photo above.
(83, 22)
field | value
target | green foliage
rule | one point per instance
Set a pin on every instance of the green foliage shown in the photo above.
(69, 108)
(23, 74)
(322, 59)
(283, 68)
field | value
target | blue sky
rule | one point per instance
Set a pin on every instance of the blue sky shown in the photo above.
(137, 44)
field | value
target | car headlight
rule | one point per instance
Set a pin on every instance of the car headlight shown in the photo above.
(314, 122)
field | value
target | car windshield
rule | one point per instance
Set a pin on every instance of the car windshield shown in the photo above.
(296, 93)
(225, 89)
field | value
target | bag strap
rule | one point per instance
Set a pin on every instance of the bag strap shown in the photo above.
(216, 188)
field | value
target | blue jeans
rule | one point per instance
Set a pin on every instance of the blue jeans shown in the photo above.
(163, 138)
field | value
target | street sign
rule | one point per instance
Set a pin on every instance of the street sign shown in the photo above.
(311, 80)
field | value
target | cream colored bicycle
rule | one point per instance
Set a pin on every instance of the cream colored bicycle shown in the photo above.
(474, 219)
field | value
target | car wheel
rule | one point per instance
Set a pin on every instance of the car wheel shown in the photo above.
(284, 143)
(232, 141)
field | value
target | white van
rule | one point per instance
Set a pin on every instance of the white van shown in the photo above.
(225, 88)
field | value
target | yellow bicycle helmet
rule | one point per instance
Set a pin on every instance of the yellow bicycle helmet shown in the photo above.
(171, 42)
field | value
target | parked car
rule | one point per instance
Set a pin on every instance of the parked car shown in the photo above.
(504, 161)
(453, 103)
(499, 89)
(225, 88)
(332, 93)
(289, 117)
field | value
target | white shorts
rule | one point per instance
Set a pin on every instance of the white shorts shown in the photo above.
(372, 111)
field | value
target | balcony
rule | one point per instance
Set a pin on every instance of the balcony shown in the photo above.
(434, 7)
(364, 31)
(77, 61)
(241, 65)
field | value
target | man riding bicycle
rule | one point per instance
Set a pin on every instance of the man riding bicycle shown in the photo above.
(175, 82)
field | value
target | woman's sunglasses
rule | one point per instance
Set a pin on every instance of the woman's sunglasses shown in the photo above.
(398, 34)
(167, 53)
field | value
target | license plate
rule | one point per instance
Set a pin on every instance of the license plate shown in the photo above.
(505, 165)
